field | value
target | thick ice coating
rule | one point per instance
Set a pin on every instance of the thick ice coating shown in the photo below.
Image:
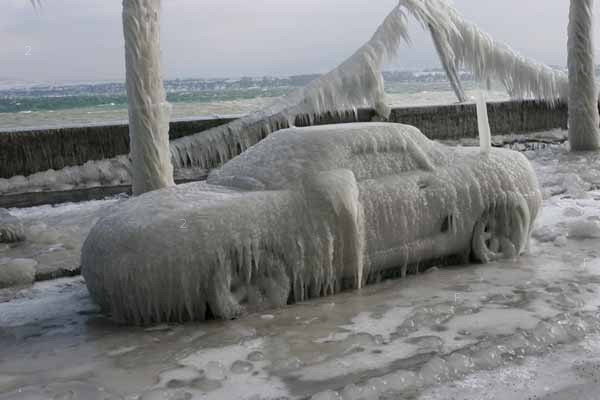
(306, 213)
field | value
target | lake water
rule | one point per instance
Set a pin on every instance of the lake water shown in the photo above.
(23, 107)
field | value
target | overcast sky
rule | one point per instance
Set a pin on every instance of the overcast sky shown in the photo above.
(82, 39)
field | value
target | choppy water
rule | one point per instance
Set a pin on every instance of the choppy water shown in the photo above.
(83, 104)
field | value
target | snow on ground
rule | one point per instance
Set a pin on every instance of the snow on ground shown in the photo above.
(527, 328)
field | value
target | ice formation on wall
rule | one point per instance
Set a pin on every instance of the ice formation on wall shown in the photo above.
(148, 108)
(306, 213)
(583, 99)
(113, 172)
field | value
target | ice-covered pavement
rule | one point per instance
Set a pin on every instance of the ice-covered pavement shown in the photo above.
(54, 239)
(528, 328)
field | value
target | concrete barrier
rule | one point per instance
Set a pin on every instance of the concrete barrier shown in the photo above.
(27, 152)
(31, 151)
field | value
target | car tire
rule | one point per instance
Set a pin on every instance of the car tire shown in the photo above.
(502, 231)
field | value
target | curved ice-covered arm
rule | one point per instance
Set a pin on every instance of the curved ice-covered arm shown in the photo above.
(449, 64)
(469, 46)
(357, 82)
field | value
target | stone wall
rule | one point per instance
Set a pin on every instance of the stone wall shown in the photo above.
(27, 152)
(460, 120)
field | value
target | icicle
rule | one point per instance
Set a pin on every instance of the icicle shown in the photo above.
(485, 135)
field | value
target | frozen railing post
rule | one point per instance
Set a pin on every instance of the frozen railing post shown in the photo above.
(483, 124)
(583, 94)
(148, 107)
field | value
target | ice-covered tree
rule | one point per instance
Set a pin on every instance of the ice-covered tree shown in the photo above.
(583, 94)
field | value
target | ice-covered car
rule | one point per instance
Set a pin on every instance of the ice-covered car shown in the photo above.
(307, 212)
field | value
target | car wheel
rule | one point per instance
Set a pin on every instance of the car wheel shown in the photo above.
(268, 287)
(502, 231)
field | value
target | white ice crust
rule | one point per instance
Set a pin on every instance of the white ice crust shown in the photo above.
(113, 171)
(307, 212)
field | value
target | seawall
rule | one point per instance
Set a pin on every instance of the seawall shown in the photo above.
(30, 151)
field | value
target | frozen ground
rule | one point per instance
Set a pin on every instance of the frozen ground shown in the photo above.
(524, 329)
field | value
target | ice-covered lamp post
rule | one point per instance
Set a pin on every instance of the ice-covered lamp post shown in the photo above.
(583, 94)
(148, 108)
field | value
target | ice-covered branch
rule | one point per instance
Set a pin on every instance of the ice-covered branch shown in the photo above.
(357, 82)
(449, 64)
(467, 45)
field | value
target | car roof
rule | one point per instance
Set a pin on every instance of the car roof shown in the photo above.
(370, 150)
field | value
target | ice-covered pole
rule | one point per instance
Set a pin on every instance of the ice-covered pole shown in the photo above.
(483, 124)
(583, 94)
(148, 107)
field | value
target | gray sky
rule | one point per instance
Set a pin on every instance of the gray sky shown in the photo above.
(82, 39)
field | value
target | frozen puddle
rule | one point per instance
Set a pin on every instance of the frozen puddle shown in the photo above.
(512, 330)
